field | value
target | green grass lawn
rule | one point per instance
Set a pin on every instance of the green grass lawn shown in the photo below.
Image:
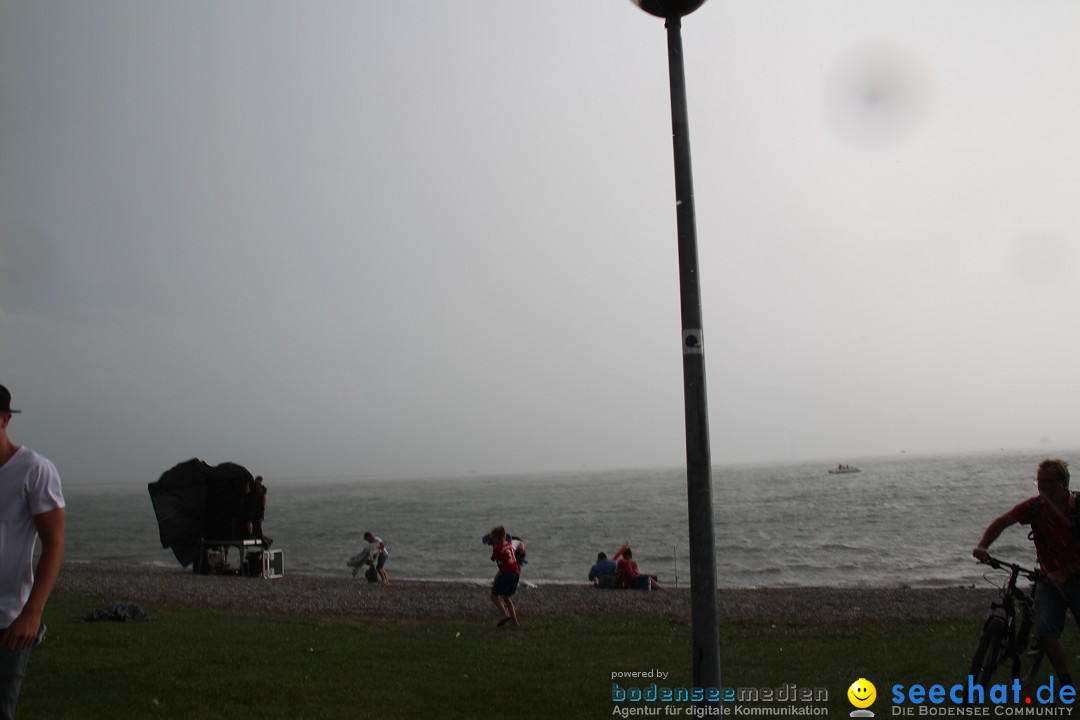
(196, 663)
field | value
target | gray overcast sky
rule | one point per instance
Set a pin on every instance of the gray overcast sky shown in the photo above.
(361, 238)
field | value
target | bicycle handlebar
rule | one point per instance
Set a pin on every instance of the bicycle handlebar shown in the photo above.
(1026, 572)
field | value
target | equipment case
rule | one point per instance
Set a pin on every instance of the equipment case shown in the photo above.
(273, 564)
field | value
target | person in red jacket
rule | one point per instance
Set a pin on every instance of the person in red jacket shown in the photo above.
(506, 579)
(629, 574)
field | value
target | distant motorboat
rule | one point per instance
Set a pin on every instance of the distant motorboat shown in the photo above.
(844, 470)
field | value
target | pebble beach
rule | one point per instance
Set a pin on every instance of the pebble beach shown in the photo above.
(345, 596)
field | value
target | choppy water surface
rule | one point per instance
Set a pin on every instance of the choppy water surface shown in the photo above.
(901, 521)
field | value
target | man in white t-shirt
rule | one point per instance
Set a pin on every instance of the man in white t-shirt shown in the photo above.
(31, 505)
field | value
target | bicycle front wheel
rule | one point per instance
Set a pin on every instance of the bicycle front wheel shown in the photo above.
(990, 651)
(1029, 654)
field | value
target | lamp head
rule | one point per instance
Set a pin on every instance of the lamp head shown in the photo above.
(668, 8)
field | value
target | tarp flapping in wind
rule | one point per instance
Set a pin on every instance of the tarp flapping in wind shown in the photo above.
(194, 501)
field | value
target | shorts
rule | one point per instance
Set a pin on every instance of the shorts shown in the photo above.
(642, 582)
(1051, 604)
(505, 584)
(381, 561)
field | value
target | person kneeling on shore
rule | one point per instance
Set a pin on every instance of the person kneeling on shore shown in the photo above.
(506, 579)
(1052, 515)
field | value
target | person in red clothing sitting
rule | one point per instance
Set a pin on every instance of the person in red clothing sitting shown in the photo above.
(506, 580)
(629, 574)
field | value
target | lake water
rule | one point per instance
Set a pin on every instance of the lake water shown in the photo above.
(903, 520)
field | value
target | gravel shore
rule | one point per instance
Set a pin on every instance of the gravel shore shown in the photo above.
(416, 600)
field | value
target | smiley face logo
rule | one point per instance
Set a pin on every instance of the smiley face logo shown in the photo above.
(862, 693)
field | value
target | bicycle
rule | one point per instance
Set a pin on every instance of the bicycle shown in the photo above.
(1007, 633)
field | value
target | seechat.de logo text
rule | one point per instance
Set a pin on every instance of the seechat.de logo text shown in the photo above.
(972, 699)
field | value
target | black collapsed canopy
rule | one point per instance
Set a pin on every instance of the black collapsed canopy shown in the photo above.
(194, 501)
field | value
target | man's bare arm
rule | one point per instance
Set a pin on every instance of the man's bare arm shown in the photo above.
(993, 531)
(50, 528)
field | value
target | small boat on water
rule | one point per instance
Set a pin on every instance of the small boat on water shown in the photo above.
(844, 470)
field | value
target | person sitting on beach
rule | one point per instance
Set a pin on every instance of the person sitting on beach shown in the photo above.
(603, 574)
(508, 576)
(376, 552)
(629, 574)
(1052, 515)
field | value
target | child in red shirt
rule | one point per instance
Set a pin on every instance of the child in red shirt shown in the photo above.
(506, 580)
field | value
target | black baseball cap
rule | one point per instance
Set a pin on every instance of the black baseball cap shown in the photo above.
(5, 401)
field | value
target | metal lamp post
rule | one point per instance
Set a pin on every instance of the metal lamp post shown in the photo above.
(706, 631)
